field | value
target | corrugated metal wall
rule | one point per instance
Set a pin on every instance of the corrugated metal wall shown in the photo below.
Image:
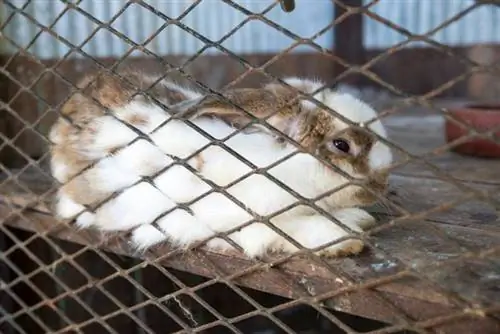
(482, 25)
(214, 19)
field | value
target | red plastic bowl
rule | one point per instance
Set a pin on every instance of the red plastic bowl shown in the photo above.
(482, 118)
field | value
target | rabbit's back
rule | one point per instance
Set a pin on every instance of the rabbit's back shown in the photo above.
(136, 169)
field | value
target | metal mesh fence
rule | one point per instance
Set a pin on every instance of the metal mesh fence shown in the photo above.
(420, 274)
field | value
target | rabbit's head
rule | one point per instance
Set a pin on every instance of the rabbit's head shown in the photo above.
(355, 151)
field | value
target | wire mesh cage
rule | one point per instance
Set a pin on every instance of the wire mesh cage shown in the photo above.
(428, 265)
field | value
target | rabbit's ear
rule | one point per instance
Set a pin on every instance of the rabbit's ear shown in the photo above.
(239, 105)
(231, 105)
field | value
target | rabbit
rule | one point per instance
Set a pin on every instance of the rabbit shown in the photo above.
(120, 171)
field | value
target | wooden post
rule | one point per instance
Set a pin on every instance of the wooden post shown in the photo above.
(348, 43)
(483, 85)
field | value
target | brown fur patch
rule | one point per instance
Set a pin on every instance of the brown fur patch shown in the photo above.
(199, 162)
(137, 120)
(62, 154)
(172, 97)
(109, 90)
(82, 190)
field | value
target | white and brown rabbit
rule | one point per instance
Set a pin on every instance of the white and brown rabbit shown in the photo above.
(128, 160)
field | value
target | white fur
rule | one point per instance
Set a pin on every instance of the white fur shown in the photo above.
(110, 134)
(178, 227)
(138, 206)
(59, 170)
(67, 208)
(85, 220)
(153, 115)
(180, 185)
(304, 85)
(168, 136)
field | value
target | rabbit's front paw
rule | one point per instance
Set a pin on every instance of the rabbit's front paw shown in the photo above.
(327, 231)
(355, 218)
(344, 248)
(255, 240)
(315, 231)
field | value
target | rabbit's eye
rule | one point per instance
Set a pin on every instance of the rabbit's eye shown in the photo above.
(341, 145)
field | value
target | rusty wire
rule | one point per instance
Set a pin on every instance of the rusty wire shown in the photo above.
(16, 213)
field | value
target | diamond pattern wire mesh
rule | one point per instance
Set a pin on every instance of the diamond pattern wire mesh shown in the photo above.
(79, 284)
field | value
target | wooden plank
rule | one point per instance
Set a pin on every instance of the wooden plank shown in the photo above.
(419, 194)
